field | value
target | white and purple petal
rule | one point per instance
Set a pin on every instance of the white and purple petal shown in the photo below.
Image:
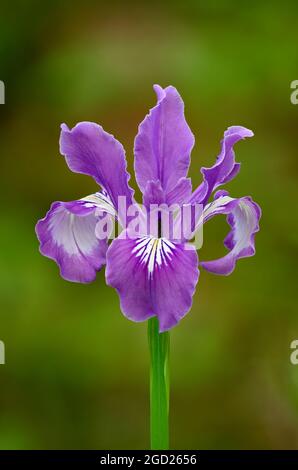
(243, 216)
(164, 143)
(152, 276)
(67, 235)
(225, 167)
(88, 149)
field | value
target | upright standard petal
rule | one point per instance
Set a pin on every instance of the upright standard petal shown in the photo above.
(154, 193)
(243, 216)
(225, 168)
(67, 235)
(164, 143)
(152, 276)
(88, 149)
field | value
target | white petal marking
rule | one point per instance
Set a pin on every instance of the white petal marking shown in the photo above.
(102, 201)
(215, 206)
(72, 232)
(153, 252)
(75, 233)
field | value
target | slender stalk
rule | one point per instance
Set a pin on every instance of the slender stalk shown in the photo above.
(159, 386)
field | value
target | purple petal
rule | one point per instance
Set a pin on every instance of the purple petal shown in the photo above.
(153, 277)
(153, 194)
(180, 193)
(243, 216)
(67, 235)
(90, 150)
(225, 168)
(164, 142)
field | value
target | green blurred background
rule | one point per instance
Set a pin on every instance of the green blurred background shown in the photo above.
(76, 373)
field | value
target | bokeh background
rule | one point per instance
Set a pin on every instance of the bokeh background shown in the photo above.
(76, 373)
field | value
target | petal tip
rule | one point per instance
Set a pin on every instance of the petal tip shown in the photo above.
(64, 127)
(160, 92)
(240, 130)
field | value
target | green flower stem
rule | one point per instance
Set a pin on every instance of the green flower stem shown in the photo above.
(159, 386)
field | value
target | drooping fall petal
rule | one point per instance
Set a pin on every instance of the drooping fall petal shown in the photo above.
(243, 216)
(153, 277)
(67, 235)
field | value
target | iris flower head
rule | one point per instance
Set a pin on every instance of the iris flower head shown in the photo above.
(154, 275)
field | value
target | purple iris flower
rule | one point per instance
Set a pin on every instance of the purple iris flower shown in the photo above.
(154, 276)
